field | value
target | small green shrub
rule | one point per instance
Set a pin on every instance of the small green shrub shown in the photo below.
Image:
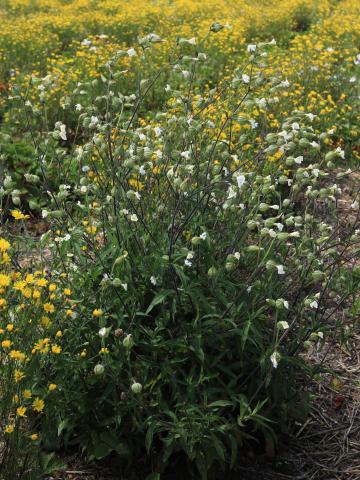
(196, 271)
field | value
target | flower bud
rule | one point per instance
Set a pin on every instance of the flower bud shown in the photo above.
(119, 332)
(99, 369)
(136, 388)
(196, 240)
(116, 282)
(128, 341)
(212, 272)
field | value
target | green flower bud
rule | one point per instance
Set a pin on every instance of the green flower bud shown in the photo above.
(229, 266)
(317, 275)
(251, 225)
(253, 248)
(263, 207)
(99, 369)
(116, 282)
(212, 272)
(196, 240)
(136, 388)
(128, 341)
(330, 156)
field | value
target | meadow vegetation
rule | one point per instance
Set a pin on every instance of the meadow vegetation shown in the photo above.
(186, 161)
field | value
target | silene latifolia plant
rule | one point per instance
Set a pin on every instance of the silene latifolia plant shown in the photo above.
(183, 273)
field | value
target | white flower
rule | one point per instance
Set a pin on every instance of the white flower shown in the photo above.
(237, 255)
(102, 332)
(355, 205)
(124, 286)
(44, 213)
(311, 116)
(299, 160)
(316, 172)
(280, 226)
(253, 123)
(86, 42)
(251, 48)
(272, 233)
(158, 131)
(153, 280)
(262, 103)
(246, 78)
(275, 207)
(83, 189)
(314, 144)
(240, 180)
(285, 83)
(185, 73)
(295, 126)
(314, 304)
(280, 269)
(142, 170)
(188, 263)
(284, 325)
(203, 236)
(85, 168)
(192, 41)
(185, 154)
(63, 132)
(275, 359)
(134, 217)
(340, 152)
(231, 192)
(131, 52)
(286, 304)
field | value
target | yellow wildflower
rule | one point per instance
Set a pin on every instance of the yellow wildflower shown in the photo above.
(21, 411)
(38, 405)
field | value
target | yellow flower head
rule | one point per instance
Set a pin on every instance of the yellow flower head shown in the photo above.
(4, 245)
(21, 411)
(19, 215)
(56, 349)
(4, 280)
(38, 405)
(27, 394)
(18, 375)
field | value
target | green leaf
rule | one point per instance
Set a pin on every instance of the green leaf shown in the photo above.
(220, 403)
(49, 463)
(159, 299)
(149, 437)
(153, 476)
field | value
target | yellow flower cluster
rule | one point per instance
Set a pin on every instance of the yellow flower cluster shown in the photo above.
(25, 332)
